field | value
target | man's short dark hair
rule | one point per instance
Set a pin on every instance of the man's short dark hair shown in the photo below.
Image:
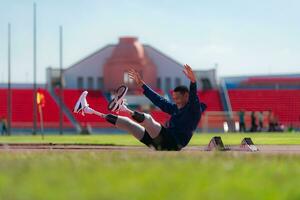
(181, 89)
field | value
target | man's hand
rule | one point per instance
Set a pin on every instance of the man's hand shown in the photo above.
(189, 73)
(136, 77)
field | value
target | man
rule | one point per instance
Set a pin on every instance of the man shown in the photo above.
(260, 117)
(272, 121)
(253, 122)
(242, 121)
(4, 126)
(185, 114)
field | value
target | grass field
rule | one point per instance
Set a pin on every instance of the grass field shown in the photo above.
(148, 174)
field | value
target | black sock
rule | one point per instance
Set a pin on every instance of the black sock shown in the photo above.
(138, 116)
(111, 118)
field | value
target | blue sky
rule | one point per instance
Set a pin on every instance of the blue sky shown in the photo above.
(243, 36)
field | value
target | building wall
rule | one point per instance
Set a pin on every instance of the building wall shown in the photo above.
(167, 68)
(210, 74)
(91, 66)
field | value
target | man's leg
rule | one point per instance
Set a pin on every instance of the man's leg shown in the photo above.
(146, 120)
(126, 124)
(158, 135)
(123, 123)
(145, 129)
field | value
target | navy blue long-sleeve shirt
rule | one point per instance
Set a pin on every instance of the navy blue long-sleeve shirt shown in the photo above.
(183, 121)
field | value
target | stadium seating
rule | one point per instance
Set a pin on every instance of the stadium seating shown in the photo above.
(22, 109)
(160, 116)
(284, 103)
(272, 81)
(263, 82)
(212, 99)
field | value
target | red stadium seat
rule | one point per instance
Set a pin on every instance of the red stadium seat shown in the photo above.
(272, 81)
(212, 99)
(160, 116)
(22, 109)
(284, 103)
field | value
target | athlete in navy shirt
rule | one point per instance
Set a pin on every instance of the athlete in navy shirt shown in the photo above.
(185, 114)
(184, 117)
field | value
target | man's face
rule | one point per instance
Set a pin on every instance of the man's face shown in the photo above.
(180, 99)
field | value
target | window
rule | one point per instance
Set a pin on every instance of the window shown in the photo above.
(168, 84)
(80, 83)
(100, 83)
(127, 79)
(206, 84)
(158, 83)
(177, 81)
(90, 83)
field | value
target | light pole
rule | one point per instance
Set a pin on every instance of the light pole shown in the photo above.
(61, 80)
(34, 72)
(9, 82)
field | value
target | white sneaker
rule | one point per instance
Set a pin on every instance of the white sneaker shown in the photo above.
(116, 103)
(122, 106)
(81, 103)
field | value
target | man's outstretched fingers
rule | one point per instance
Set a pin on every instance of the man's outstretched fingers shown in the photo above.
(189, 73)
(133, 74)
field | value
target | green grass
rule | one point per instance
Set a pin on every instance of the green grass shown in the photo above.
(56, 174)
(126, 139)
(150, 175)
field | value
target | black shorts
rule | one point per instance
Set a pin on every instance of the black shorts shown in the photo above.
(163, 142)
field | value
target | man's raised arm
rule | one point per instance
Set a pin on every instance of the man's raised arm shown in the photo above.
(193, 97)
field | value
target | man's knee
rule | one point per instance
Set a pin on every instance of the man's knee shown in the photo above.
(138, 116)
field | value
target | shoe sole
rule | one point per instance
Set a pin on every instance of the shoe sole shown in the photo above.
(78, 107)
(115, 102)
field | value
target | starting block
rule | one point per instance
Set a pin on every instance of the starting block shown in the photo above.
(216, 143)
(248, 145)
